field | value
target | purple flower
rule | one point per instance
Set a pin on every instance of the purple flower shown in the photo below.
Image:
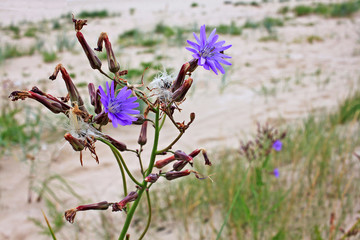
(277, 145)
(276, 173)
(209, 52)
(119, 107)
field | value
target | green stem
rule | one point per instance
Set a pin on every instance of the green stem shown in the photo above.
(149, 217)
(156, 141)
(131, 212)
(140, 161)
(162, 122)
(122, 172)
(121, 159)
(232, 205)
(171, 144)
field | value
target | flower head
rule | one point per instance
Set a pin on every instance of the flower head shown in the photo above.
(209, 52)
(161, 85)
(276, 173)
(277, 145)
(119, 107)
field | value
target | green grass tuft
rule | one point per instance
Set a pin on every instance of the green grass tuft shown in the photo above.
(343, 9)
(93, 14)
(49, 57)
(316, 175)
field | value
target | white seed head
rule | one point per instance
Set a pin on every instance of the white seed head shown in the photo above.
(80, 129)
(160, 86)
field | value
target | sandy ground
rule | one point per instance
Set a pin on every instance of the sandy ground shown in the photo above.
(301, 76)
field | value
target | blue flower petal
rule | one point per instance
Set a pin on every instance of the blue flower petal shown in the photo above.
(209, 52)
(194, 45)
(119, 106)
(202, 36)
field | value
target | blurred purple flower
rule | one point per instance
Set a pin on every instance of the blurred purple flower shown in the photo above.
(119, 107)
(276, 173)
(277, 145)
(209, 52)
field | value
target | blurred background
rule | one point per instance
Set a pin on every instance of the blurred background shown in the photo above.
(295, 67)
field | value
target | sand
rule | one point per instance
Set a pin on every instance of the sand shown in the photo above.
(279, 82)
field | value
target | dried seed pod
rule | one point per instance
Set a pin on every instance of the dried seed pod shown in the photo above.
(180, 78)
(114, 66)
(72, 90)
(94, 61)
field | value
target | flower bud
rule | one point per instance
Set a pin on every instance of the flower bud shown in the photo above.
(102, 118)
(195, 153)
(140, 119)
(143, 134)
(98, 104)
(180, 78)
(162, 163)
(94, 61)
(193, 65)
(95, 206)
(283, 135)
(179, 165)
(122, 204)
(92, 93)
(152, 177)
(180, 155)
(114, 66)
(119, 145)
(95, 98)
(180, 93)
(192, 117)
(173, 175)
(207, 161)
(77, 144)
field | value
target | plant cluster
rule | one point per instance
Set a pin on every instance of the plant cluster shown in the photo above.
(117, 104)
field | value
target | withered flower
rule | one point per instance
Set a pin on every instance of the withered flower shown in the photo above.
(152, 178)
(132, 196)
(50, 102)
(71, 213)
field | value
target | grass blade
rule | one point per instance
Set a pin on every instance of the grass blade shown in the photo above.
(48, 224)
